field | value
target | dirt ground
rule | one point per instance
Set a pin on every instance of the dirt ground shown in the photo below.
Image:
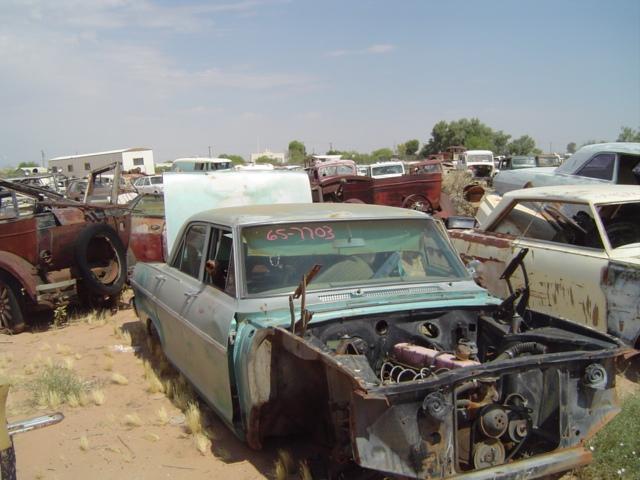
(101, 441)
(114, 448)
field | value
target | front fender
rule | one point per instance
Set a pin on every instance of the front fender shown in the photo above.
(22, 271)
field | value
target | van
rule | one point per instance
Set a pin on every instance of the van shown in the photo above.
(197, 164)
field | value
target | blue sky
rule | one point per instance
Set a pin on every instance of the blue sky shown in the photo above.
(81, 76)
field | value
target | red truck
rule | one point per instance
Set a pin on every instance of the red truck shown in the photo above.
(337, 181)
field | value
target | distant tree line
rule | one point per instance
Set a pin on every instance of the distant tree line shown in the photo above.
(470, 133)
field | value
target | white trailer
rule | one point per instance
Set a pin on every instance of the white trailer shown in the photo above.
(81, 165)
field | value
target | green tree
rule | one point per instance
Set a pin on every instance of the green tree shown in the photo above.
(571, 147)
(235, 159)
(525, 145)
(411, 147)
(381, 154)
(264, 159)
(471, 133)
(628, 134)
(500, 142)
(27, 165)
(297, 152)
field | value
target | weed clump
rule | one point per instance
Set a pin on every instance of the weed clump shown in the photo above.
(616, 448)
(55, 385)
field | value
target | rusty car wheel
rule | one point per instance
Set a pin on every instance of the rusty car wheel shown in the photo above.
(11, 316)
(418, 202)
(100, 258)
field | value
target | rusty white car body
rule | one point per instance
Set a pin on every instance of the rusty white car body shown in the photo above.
(358, 327)
(584, 260)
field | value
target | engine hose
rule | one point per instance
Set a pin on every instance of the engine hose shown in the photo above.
(520, 348)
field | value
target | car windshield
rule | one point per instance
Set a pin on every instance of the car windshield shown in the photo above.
(520, 162)
(156, 180)
(548, 161)
(351, 253)
(333, 170)
(387, 170)
(480, 158)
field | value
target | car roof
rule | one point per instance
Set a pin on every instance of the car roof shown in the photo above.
(576, 160)
(596, 194)
(302, 212)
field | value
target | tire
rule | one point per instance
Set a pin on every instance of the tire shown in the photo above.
(99, 248)
(11, 308)
(418, 202)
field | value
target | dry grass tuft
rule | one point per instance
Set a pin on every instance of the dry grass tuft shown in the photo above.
(132, 420)
(98, 397)
(119, 379)
(77, 356)
(84, 443)
(193, 418)
(279, 470)
(63, 350)
(154, 385)
(126, 337)
(202, 443)
(163, 416)
(53, 399)
(305, 471)
(30, 369)
(108, 364)
(152, 437)
(68, 363)
(83, 399)
(73, 401)
(287, 460)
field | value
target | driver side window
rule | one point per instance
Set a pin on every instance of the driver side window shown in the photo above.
(557, 222)
(219, 268)
(189, 258)
(600, 166)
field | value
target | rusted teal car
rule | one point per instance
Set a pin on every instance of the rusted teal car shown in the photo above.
(359, 327)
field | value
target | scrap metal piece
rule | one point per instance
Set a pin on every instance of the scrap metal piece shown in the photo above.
(34, 423)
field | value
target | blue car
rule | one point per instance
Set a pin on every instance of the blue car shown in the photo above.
(359, 326)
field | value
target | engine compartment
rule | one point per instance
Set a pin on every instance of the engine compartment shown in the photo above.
(431, 343)
(491, 419)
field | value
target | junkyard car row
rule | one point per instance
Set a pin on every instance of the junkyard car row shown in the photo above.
(359, 325)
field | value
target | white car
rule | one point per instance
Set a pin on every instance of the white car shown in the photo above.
(583, 261)
(152, 184)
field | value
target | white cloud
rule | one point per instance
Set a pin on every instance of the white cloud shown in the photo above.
(121, 14)
(371, 50)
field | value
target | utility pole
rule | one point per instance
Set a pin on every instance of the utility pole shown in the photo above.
(550, 147)
(42, 154)
(210, 151)
(331, 146)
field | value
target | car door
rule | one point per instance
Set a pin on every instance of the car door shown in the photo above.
(565, 262)
(210, 313)
(146, 241)
(175, 287)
